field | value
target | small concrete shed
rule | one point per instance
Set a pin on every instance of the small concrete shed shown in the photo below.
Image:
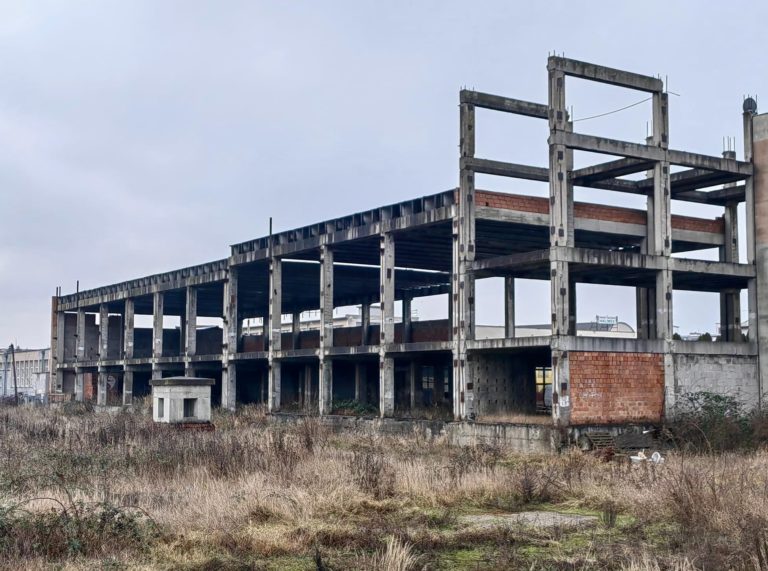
(181, 400)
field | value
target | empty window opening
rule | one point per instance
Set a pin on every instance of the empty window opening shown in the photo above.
(190, 406)
(160, 408)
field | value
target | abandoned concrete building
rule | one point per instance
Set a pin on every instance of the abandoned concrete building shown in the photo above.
(442, 244)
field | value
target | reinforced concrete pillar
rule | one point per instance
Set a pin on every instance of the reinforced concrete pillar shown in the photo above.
(308, 393)
(157, 332)
(232, 329)
(103, 332)
(326, 330)
(365, 323)
(80, 346)
(509, 307)
(79, 385)
(760, 220)
(361, 395)
(730, 300)
(412, 372)
(128, 325)
(274, 324)
(387, 331)
(101, 387)
(462, 311)
(190, 323)
(407, 320)
(58, 332)
(127, 387)
(296, 329)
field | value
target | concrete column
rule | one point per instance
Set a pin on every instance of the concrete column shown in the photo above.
(660, 242)
(365, 323)
(190, 336)
(296, 329)
(407, 320)
(462, 312)
(561, 394)
(128, 387)
(103, 332)
(58, 329)
(157, 332)
(412, 373)
(79, 385)
(273, 325)
(80, 346)
(361, 395)
(308, 395)
(509, 307)
(229, 348)
(387, 332)
(128, 324)
(730, 300)
(101, 388)
(326, 330)
(760, 216)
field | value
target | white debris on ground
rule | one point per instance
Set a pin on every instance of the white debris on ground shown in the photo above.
(538, 519)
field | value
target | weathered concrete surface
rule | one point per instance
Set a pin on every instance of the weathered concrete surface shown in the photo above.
(518, 437)
(728, 375)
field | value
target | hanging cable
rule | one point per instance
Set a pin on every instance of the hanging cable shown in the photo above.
(614, 111)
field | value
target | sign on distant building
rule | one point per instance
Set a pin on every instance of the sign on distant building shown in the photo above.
(607, 320)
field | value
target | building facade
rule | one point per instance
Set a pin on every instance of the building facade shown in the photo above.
(442, 244)
(31, 372)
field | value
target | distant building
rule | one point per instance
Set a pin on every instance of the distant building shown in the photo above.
(31, 372)
(596, 328)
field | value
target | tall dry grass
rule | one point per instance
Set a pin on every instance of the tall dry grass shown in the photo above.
(79, 486)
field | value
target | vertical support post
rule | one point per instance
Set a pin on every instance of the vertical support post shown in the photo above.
(101, 387)
(157, 331)
(296, 329)
(730, 300)
(407, 319)
(103, 332)
(509, 307)
(128, 386)
(326, 329)
(190, 347)
(232, 327)
(79, 384)
(661, 239)
(80, 347)
(275, 323)
(128, 325)
(308, 396)
(58, 331)
(365, 323)
(759, 203)
(387, 331)
(361, 394)
(646, 296)
(412, 370)
(462, 311)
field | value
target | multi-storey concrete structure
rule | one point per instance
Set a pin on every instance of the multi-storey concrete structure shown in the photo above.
(443, 243)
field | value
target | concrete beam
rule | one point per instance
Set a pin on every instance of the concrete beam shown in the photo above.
(620, 167)
(603, 74)
(504, 104)
(500, 168)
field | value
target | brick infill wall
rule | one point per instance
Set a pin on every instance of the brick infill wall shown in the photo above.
(615, 388)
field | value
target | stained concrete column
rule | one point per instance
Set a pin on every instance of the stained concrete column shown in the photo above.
(274, 324)
(80, 346)
(462, 312)
(128, 326)
(79, 385)
(308, 395)
(59, 332)
(101, 387)
(296, 329)
(326, 330)
(229, 348)
(128, 387)
(749, 223)
(760, 202)
(361, 395)
(387, 331)
(365, 323)
(412, 373)
(730, 300)
(103, 332)
(157, 332)
(509, 307)
(407, 319)
(189, 325)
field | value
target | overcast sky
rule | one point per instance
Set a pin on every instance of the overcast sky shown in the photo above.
(140, 137)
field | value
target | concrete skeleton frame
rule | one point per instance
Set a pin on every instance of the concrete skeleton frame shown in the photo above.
(442, 243)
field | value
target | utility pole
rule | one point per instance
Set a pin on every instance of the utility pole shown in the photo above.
(15, 386)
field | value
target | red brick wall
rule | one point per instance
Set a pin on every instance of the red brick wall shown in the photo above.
(609, 388)
(592, 211)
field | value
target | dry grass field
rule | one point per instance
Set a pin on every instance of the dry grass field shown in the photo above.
(81, 490)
